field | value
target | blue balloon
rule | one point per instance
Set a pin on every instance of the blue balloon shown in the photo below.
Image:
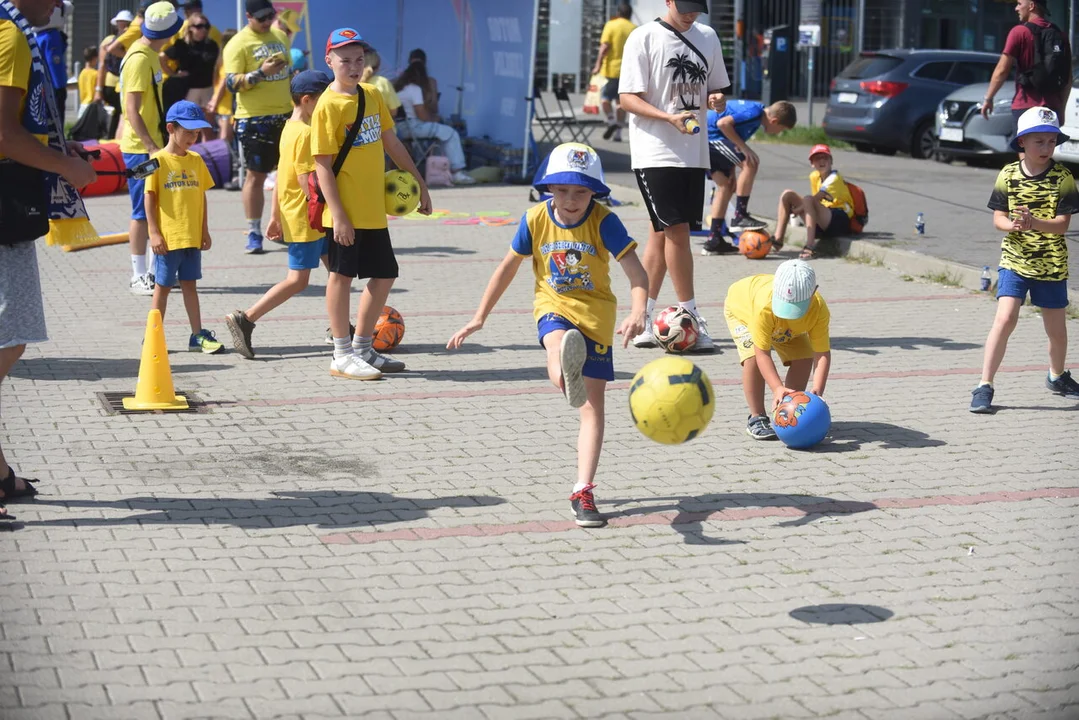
(802, 420)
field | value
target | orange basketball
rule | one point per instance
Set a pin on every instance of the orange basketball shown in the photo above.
(754, 244)
(389, 329)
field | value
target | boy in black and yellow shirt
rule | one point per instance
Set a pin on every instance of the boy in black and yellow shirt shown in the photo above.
(1033, 201)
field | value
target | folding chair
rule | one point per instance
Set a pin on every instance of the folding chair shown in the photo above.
(418, 148)
(580, 128)
(551, 125)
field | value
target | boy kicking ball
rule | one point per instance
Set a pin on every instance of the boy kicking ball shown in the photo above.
(1033, 201)
(571, 240)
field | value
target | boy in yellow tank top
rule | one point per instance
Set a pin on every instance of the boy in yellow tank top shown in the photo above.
(571, 240)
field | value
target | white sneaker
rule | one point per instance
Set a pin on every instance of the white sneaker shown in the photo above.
(141, 285)
(462, 178)
(353, 368)
(572, 355)
(645, 339)
(704, 342)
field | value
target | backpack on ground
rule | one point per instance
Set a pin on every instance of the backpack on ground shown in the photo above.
(861, 208)
(1051, 71)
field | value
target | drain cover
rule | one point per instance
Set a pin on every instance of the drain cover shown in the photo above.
(113, 403)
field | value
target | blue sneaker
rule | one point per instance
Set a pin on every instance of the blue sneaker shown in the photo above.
(254, 244)
(1064, 385)
(982, 399)
(204, 342)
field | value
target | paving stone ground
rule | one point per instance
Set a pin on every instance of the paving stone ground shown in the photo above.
(311, 547)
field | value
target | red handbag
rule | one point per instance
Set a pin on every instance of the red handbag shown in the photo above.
(316, 202)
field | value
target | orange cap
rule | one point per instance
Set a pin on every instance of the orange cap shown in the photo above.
(820, 149)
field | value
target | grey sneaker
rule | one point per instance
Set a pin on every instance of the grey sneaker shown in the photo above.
(383, 363)
(981, 400)
(583, 505)
(240, 328)
(1064, 385)
(760, 428)
(744, 222)
(572, 355)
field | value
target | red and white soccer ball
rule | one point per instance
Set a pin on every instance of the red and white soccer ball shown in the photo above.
(676, 330)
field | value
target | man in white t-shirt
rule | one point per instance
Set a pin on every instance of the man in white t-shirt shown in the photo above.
(667, 80)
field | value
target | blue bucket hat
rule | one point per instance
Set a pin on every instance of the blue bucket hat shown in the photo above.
(187, 115)
(572, 164)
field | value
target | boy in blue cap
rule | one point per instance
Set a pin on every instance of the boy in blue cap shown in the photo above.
(176, 215)
(571, 239)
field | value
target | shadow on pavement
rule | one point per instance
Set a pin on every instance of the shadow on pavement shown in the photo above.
(309, 291)
(841, 614)
(68, 368)
(323, 509)
(694, 511)
(873, 346)
(850, 435)
(469, 348)
(480, 375)
(432, 250)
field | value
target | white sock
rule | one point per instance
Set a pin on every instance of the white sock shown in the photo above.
(138, 265)
(989, 384)
(342, 347)
(650, 307)
(254, 225)
(1053, 377)
(580, 486)
(362, 345)
(690, 305)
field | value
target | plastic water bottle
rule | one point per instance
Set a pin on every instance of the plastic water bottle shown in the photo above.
(919, 224)
(987, 279)
(691, 124)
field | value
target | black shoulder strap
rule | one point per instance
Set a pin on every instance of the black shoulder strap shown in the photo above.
(683, 38)
(350, 137)
(161, 124)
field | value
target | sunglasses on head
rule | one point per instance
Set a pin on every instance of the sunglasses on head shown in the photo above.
(201, 26)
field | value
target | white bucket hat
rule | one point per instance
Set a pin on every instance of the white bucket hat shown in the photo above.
(123, 16)
(160, 21)
(572, 164)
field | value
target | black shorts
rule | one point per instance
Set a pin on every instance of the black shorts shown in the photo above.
(839, 226)
(673, 195)
(610, 90)
(724, 157)
(370, 256)
(259, 139)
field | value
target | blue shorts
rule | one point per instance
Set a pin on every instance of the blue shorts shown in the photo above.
(306, 255)
(600, 361)
(136, 188)
(1048, 294)
(176, 265)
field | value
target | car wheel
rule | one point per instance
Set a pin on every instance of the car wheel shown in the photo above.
(923, 144)
(863, 148)
(880, 150)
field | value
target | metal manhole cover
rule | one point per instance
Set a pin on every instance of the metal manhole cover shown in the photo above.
(113, 403)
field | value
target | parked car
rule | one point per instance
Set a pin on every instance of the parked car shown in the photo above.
(886, 100)
(962, 132)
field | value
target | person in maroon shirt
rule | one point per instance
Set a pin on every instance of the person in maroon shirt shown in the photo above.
(1019, 55)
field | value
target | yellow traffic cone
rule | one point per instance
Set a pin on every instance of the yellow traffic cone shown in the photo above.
(154, 389)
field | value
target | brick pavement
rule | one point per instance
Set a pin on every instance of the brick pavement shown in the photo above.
(313, 548)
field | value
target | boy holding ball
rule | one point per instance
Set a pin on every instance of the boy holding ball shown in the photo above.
(571, 239)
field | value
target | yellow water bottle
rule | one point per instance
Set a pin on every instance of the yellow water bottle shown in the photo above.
(691, 124)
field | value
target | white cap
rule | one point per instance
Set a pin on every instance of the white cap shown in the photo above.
(792, 290)
(123, 16)
(1038, 120)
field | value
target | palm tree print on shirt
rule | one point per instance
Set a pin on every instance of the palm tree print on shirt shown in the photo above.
(689, 78)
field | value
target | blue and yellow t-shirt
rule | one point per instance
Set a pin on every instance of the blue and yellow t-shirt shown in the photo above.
(16, 71)
(1033, 254)
(572, 265)
(841, 197)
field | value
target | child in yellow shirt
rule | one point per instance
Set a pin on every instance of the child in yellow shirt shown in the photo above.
(88, 76)
(288, 214)
(786, 313)
(355, 216)
(827, 210)
(176, 216)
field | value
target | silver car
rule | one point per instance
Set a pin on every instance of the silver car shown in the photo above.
(961, 130)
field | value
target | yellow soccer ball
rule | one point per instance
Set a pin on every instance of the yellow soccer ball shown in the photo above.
(671, 400)
(402, 193)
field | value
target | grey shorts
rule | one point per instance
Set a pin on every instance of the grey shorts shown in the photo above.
(22, 315)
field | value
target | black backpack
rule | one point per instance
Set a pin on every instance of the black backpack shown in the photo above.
(1051, 71)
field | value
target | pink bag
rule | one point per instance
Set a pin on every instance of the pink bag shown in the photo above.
(438, 171)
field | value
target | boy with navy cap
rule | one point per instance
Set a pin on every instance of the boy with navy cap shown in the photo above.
(571, 239)
(307, 247)
(1033, 201)
(176, 214)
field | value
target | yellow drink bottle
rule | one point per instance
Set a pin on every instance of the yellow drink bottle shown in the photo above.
(692, 125)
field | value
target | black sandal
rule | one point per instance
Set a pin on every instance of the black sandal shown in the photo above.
(11, 493)
(808, 253)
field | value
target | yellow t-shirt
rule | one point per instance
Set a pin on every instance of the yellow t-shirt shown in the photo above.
(572, 266)
(834, 184)
(141, 72)
(361, 182)
(15, 72)
(615, 34)
(133, 33)
(111, 80)
(388, 93)
(296, 160)
(750, 301)
(87, 84)
(180, 185)
(245, 53)
(224, 105)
